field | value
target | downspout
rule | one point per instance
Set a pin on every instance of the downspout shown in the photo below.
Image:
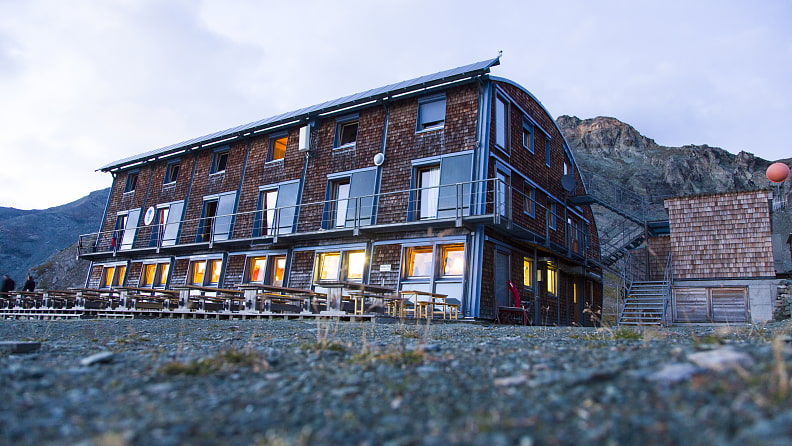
(377, 188)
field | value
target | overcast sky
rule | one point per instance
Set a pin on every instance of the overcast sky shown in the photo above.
(86, 82)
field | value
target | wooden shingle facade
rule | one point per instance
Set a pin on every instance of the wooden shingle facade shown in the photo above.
(722, 257)
(449, 183)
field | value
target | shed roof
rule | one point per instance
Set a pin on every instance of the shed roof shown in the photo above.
(399, 88)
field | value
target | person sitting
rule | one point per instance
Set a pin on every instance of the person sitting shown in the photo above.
(8, 284)
(30, 284)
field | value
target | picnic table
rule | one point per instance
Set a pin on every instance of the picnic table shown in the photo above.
(426, 303)
(361, 292)
(142, 298)
(268, 295)
(220, 299)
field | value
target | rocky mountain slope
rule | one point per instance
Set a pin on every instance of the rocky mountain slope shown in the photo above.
(612, 149)
(29, 238)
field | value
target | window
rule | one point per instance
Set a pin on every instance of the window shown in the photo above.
(131, 182)
(220, 161)
(277, 209)
(419, 262)
(529, 199)
(217, 217)
(566, 168)
(155, 275)
(346, 131)
(528, 272)
(501, 123)
(547, 152)
(428, 183)
(453, 257)
(172, 172)
(340, 205)
(503, 189)
(431, 113)
(266, 269)
(528, 136)
(113, 276)
(329, 266)
(552, 280)
(552, 216)
(206, 272)
(125, 229)
(277, 147)
(269, 201)
(166, 226)
(341, 265)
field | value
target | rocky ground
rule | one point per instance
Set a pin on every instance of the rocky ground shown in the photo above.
(204, 382)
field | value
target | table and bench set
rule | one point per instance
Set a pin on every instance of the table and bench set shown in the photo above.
(342, 299)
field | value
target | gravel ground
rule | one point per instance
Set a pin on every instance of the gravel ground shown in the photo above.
(204, 382)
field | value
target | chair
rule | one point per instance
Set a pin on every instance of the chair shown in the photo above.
(514, 313)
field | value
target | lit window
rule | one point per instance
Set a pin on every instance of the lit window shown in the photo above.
(356, 262)
(220, 161)
(113, 276)
(453, 260)
(501, 123)
(278, 270)
(419, 262)
(527, 272)
(329, 263)
(206, 272)
(431, 113)
(257, 268)
(346, 133)
(131, 182)
(172, 172)
(155, 275)
(278, 148)
(552, 280)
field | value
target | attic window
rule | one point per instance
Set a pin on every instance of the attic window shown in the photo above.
(172, 173)
(131, 182)
(431, 113)
(278, 147)
(220, 161)
(346, 132)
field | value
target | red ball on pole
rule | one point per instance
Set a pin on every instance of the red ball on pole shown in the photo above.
(777, 172)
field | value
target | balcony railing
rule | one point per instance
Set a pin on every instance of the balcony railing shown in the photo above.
(487, 201)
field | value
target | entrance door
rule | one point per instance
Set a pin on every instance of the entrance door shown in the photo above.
(502, 261)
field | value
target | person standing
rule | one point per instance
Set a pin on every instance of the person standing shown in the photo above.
(30, 284)
(8, 284)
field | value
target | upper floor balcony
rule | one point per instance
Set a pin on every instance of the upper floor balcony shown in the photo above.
(493, 203)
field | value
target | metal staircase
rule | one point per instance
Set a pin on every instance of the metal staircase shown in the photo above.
(646, 304)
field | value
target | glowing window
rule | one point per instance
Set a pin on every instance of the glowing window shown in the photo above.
(198, 272)
(113, 276)
(527, 272)
(155, 275)
(149, 270)
(257, 268)
(453, 260)
(552, 280)
(356, 262)
(329, 263)
(278, 270)
(215, 267)
(278, 148)
(419, 262)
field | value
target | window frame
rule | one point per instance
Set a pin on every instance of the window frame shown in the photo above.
(528, 272)
(116, 279)
(273, 141)
(427, 195)
(342, 267)
(341, 124)
(552, 209)
(221, 156)
(338, 212)
(131, 181)
(444, 250)
(172, 171)
(207, 273)
(502, 123)
(547, 152)
(529, 193)
(420, 125)
(528, 128)
(551, 284)
(159, 280)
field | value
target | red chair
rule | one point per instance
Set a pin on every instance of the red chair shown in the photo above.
(514, 313)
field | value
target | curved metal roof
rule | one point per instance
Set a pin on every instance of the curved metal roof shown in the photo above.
(459, 73)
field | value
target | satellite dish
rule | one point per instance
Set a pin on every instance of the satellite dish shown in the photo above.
(379, 159)
(568, 183)
(149, 217)
(777, 172)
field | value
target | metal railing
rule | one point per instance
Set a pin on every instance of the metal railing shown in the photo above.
(491, 200)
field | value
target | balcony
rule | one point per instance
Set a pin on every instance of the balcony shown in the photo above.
(490, 202)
